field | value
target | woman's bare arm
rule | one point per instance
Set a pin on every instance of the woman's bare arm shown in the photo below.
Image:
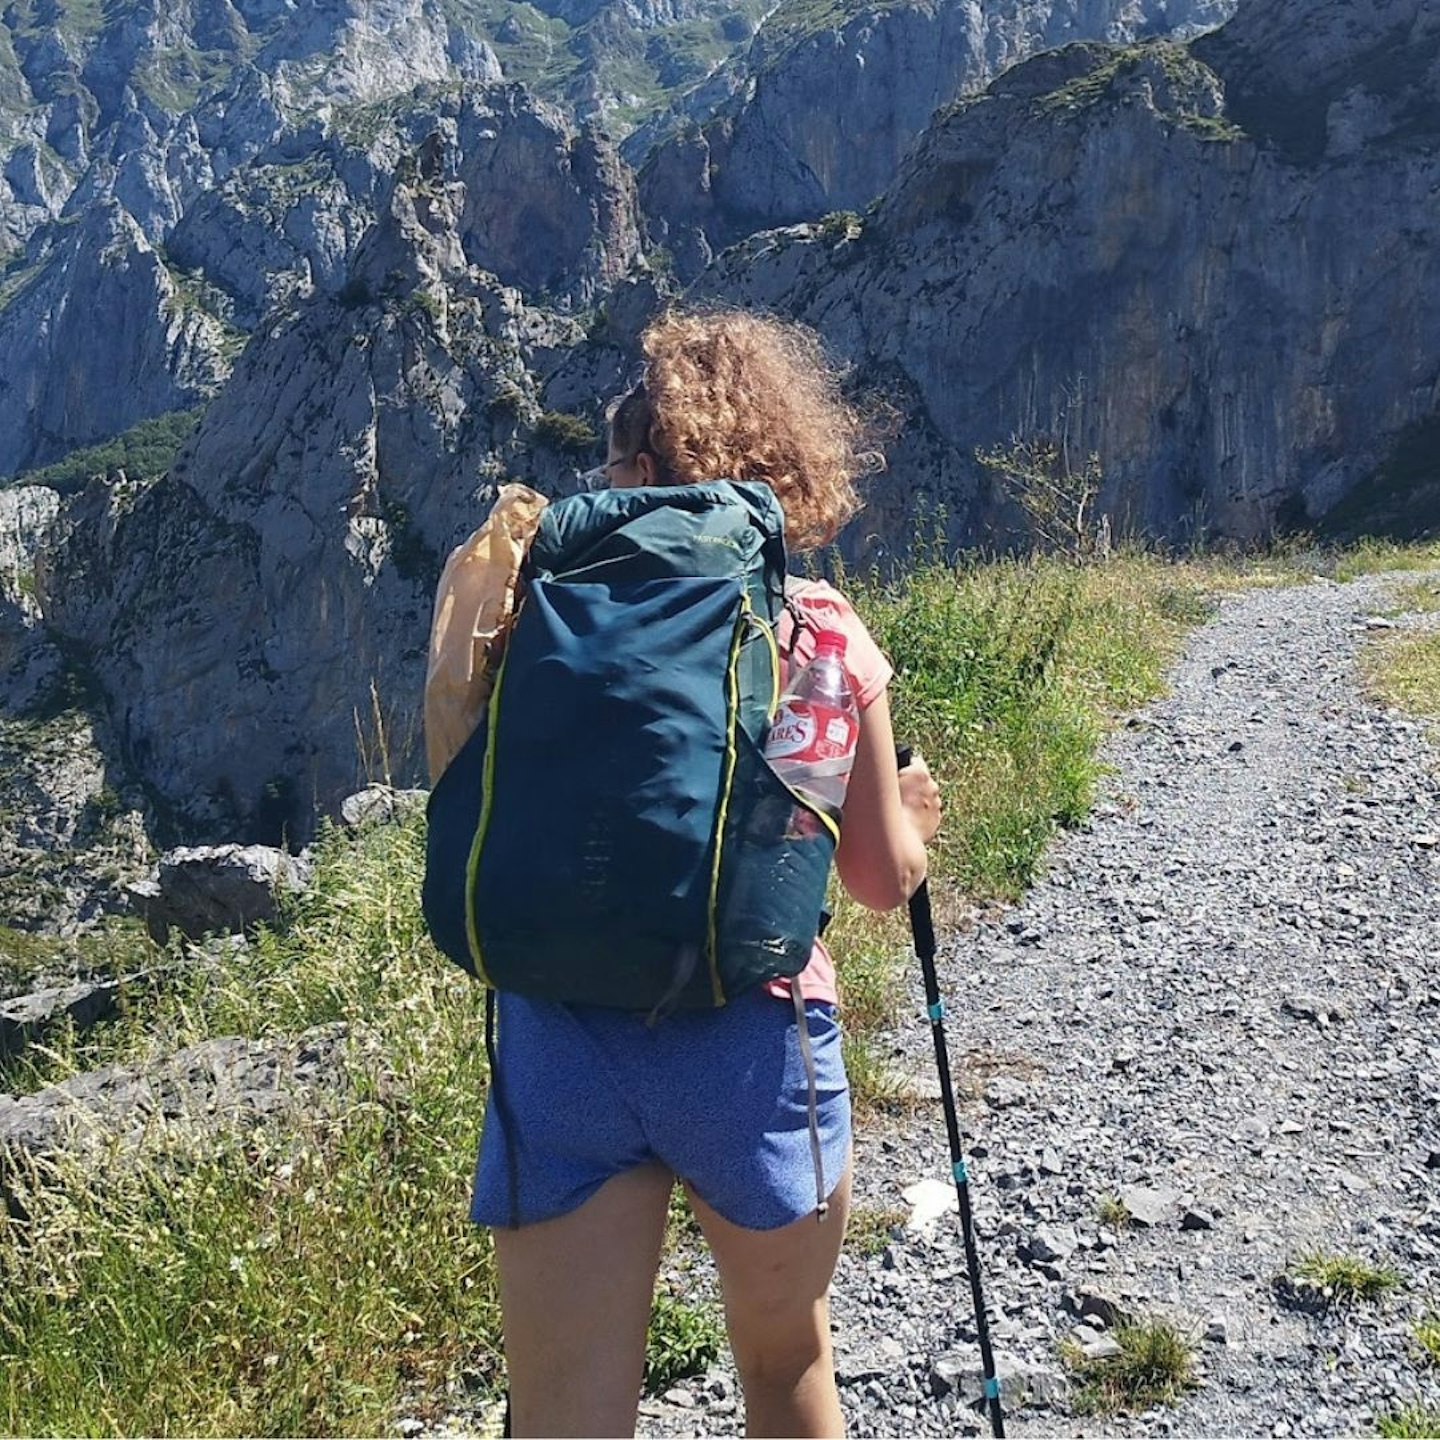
(889, 817)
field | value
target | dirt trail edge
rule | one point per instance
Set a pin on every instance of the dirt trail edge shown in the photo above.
(1225, 993)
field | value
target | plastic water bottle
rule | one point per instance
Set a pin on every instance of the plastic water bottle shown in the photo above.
(812, 739)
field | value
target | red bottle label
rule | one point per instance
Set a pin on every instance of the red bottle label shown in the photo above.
(806, 733)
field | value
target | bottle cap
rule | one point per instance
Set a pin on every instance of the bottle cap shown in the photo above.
(830, 642)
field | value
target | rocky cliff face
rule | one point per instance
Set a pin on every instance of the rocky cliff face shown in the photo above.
(29, 663)
(549, 206)
(69, 827)
(1099, 244)
(829, 113)
(1138, 246)
(107, 331)
(259, 617)
(102, 336)
(156, 103)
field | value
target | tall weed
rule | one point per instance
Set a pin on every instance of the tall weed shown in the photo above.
(293, 1279)
(1007, 673)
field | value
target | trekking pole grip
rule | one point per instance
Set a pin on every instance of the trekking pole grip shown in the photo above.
(922, 925)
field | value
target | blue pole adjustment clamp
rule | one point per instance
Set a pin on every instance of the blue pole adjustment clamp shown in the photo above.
(936, 1011)
(962, 1175)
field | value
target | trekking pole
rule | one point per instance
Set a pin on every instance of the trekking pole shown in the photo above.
(922, 927)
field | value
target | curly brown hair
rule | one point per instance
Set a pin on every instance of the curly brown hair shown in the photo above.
(728, 394)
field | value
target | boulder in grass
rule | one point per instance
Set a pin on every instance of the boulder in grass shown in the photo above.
(380, 805)
(226, 1084)
(230, 888)
(25, 1019)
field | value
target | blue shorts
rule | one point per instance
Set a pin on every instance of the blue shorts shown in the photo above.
(718, 1096)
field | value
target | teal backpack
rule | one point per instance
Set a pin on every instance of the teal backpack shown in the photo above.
(611, 833)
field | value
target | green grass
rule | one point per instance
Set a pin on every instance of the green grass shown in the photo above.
(872, 1227)
(145, 451)
(1415, 1422)
(1110, 1210)
(1427, 1335)
(1008, 674)
(1372, 556)
(1413, 597)
(29, 961)
(298, 1281)
(1348, 1278)
(1155, 1367)
(1404, 669)
(685, 1340)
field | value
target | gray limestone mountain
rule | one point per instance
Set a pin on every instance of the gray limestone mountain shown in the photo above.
(154, 104)
(826, 114)
(66, 832)
(253, 146)
(1236, 312)
(252, 149)
(103, 308)
(29, 663)
(549, 207)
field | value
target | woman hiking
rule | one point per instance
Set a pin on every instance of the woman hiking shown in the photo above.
(608, 1111)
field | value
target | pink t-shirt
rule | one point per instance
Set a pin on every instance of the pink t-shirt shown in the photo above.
(869, 673)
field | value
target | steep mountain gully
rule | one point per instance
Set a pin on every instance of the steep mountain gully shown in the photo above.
(1225, 991)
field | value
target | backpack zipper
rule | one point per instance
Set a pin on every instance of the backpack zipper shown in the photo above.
(472, 864)
(743, 622)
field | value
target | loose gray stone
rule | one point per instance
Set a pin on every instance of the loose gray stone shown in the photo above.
(1100, 1305)
(380, 805)
(1052, 1242)
(1106, 1347)
(1146, 1206)
(202, 889)
(1004, 1092)
(28, 1018)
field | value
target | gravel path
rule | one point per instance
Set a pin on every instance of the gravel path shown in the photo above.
(1225, 991)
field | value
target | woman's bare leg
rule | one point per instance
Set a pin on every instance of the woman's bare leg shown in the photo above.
(776, 1285)
(576, 1294)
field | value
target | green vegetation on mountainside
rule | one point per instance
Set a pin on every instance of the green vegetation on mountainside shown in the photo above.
(794, 21)
(144, 452)
(77, 21)
(532, 47)
(14, 92)
(1184, 74)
